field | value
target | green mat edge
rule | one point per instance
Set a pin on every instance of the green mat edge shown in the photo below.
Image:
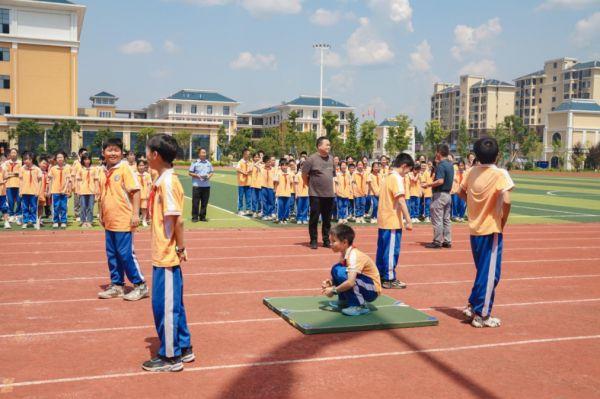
(431, 321)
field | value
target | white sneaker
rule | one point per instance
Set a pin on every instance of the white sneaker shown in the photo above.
(18, 221)
(6, 224)
(139, 291)
(24, 226)
(480, 322)
(468, 312)
(373, 221)
(55, 225)
(428, 220)
(144, 223)
(78, 219)
(112, 291)
(240, 213)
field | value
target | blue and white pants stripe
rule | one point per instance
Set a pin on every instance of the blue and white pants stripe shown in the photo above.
(169, 312)
(364, 289)
(388, 252)
(487, 254)
(121, 258)
(244, 198)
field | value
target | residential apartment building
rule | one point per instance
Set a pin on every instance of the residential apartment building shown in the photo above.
(307, 109)
(382, 134)
(481, 103)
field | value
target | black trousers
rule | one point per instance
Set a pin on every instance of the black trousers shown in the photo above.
(320, 206)
(200, 196)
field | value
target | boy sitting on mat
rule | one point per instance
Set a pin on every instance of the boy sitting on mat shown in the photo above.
(355, 279)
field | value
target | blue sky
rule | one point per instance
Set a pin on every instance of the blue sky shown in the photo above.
(385, 53)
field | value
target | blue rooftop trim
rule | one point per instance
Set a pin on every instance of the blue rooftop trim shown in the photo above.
(585, 65)
(541, 72)
(104, 94)
(579, 105)
(450, 89)
(492, 82)
(388, 122)
(314, 102)
(195, 95)
(262, 111)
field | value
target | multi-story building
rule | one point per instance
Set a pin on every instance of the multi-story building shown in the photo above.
(307, 109)
(382, 134)
(542, 92)
(481, 103)
(39, 45)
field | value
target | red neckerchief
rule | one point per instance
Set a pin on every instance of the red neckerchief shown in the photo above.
(60, 177)
(108, 176)
(12, 166)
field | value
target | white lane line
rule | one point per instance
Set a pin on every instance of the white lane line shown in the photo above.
(269, 319)
(224, 210)
(307, 360)
(548, 210)
(573, 215)
(286, 256)
(312, 289)
(296, 270)
(189, 247)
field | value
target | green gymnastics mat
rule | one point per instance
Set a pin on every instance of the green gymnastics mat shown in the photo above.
(313, 315)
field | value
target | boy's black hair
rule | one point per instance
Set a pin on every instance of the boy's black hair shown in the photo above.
(81, 151)
(486, 150)
(376, 163)
(113, 142)
(303, 153)
(86, 156)
(417, 166)
(44, 157)
(27, 155)
(443, 149)
(351, 165)
(461, 162)
(61, 152)
(139, 161)
(341, 162)
(292, 162)
(343, 232)
(165, 145)
(283, 161)
(245, 149)
(320, 140)
(403, 159)
(266, 159)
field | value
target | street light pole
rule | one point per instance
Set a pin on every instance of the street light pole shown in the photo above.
(322, 47)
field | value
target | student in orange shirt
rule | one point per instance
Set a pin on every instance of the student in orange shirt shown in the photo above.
(244, 177)
(168, 251)
(458, 205)
(359, 183)
(426, 178)
(414, 188)
(302, 203)
(267, 192)
(342, 191)
(3, 205)
(374, 182)
(87, 181)
(75, 168)
(486, 188)
(12, 167)
(292, 170)
(43, 203)
(351, 203)
(29, 188)
(283, 191)
(60, 188)
(385, 165)
(392, 210)
(119, 211)
(145, 182)
(256, 184)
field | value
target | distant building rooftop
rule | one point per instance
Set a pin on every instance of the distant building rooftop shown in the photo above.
(579, 105)
(201, 95)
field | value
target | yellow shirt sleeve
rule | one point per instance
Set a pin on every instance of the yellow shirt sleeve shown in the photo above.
(172, 204)
(397, 186)
(129, 181)
(354, 264)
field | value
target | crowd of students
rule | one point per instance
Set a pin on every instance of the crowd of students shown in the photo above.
(35, 190)
(274, 190)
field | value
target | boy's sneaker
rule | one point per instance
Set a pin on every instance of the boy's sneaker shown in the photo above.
(112, 291)
(337, 306)
(161, 363)
(356, 310)
(393, 285)
(374, 221)
(55, 225)
(468, 312)
(18, 221)
(24, 226)
(139, 291)
(240, 213)
(481, 322)
(6, 224)
(63, 226)
(427, 220)
(37, 225)
(187, 355)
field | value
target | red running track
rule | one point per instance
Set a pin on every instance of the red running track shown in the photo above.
(58, 340)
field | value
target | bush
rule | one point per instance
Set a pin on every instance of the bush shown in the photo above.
(528, 165)
(509, 166)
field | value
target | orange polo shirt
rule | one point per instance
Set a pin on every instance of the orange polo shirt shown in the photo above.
(59, 179)
(359, 180)
(256, 175)
(86, 180)
(389, 213)
(375, 180)
(116, 184)
(12, 167)
(166, 199)
(2, 183)
(359, 262)
(267, 177)
(414, 184)
(284, 184)
(145, 182)
(244, 166)
(343, 185)
(301, 188)
(426, 177)
(30, 180)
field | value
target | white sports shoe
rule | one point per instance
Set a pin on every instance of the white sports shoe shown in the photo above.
(480, 322)
(55, 225)
(373, 221)
(468, 312)
(18, 221)
(6, 224)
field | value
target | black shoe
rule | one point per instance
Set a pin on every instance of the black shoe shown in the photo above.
(194, 220)
(314, 245)
(433, 245)
(161, 363)
(447, 245)
(187, 355)
(326, 245)
(204, 220)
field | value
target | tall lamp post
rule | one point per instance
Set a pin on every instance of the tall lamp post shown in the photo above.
(322, 47)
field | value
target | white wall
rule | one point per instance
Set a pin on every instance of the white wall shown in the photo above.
(46, 25)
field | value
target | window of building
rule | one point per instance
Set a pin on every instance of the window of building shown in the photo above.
(527, 121)
(587, 73)
(574, 86)
(566, 96)
(533, 92)
(315, 114)
(541, 90)
(553, 108)
(526, 101)
(194, 109)
(209, 109)
(540, 100)
(553, 99)
(553, 89)
(533, 101)
(342, 115)
(314, 127)
(533, 81)
(5, 20)
(300, 113)
(567, 75)
(226, 110)
(105, 114)
(178, 108)
(533, 112)
(342, 129)
(554, 78)
(528, 82)
(379, 144)
(555, 65)
(4, 108)
(566, 87)
(585, 95)
(5, 81)
(4, 54)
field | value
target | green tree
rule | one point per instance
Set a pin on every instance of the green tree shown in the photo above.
(184, 139)
(515, 133)
(593, 157)
(434, 135)
(351, 144)
(330, 123)
(419, 139)
(29, 134)
(530, 146)
(142, 138)
(289, 136)
(463, 145)
(223, 140)
(242, 139)
(557, 152)
(578, 156)
(367, 137)
(59, 136)
(270, 142)
(306, 142)
(397, 140)
(100, 138)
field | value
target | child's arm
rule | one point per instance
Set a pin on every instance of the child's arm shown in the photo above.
(135, 205)
(345, 286)
(179, 241)
(506, 205)
(405, 213)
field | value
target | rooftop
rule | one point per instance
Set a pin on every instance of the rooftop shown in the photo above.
(492, 82)
(579, 105)
(262, 111)
(388, 122)
(104, 94)
(532, 75)
(313, 101)
(585, 65)
(201, 95)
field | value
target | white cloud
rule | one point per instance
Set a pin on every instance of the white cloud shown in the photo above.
(469, 39)
(398, 11)
(323, 17)
(568, 4)
(587, 30)
(171, 48)
(364, 47)
(136, 47)
(330, 58)
(485, 68)
(261, 7)
(247, 60)
(420, 60)
(342, 82)
(204, 3)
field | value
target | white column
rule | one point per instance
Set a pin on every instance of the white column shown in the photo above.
(545, 139)
(321, 98)
(569, 140)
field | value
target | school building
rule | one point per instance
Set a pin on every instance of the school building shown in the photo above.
(382, 134)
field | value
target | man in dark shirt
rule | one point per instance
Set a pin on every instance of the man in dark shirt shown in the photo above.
(318, 172)
(441, 204)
